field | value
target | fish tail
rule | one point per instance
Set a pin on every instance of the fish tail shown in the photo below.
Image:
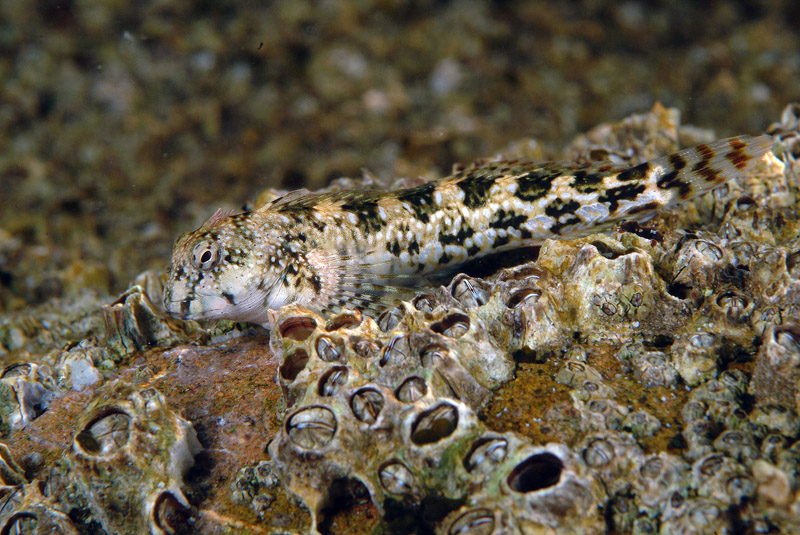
(697, 170)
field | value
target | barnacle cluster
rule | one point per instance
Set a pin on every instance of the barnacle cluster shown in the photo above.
(392, 404)
(666, 359)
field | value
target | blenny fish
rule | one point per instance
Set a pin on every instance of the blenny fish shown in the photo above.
(363, 249)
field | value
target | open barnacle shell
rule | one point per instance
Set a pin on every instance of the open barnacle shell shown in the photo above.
(129, 457)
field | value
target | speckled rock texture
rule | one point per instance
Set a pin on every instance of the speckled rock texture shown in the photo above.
(643, 380)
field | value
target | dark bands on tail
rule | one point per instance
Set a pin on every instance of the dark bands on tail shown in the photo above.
(699, 169)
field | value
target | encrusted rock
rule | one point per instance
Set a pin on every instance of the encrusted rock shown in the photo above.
(128, 459)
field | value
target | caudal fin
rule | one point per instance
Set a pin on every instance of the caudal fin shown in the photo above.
(699, 169)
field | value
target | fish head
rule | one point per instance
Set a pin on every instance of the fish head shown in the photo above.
(226, 270)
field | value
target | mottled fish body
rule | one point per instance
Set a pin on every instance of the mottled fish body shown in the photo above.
(354, 249)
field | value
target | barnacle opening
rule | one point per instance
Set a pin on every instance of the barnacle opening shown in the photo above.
(10, 498)
(108, 431)
(525, 272)
(710, 250)
(537, 472)
(598, 453)
(293, 364)
(332, 380)
(434, 424)
(297, 328)
(606, 251)
(328, 349)
(732, 301)
(522, 296)
(652, 468)
(486, 451)
(20, 523)
(711, 464)
(366, 404)
(432, 354)
(412, 389)
(391, 318)
(469, 292)
(367, 349)
(453, 325)
(170, 515)
(343, 321)
(396, 350)
(18, 369)
(745, 203)
(312, 427)
(679, 290)
(474, 522)
(396, 478)
(793, 264)
(424, 302)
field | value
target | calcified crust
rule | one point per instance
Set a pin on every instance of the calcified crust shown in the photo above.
(356, 249)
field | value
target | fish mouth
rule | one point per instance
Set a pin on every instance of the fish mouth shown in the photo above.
(207, 307)
(173, 308)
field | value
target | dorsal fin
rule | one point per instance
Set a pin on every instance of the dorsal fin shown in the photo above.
(290, 197)
(217, 216)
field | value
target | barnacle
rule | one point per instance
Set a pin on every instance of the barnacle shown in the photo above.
(657, 477)
(720, 477)
(136, 320)
(653, 368)
(413, 387)
(697, 516)
(128, 458)
(404, 389)
(775, 380)
(695, 357)
(25, 510)
(252, 486)
(25, 392)
(612, 457)
(641, 423)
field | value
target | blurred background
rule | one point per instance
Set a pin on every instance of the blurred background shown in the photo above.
(123, 124)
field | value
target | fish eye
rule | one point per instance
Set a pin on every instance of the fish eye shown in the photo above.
(205, 255)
